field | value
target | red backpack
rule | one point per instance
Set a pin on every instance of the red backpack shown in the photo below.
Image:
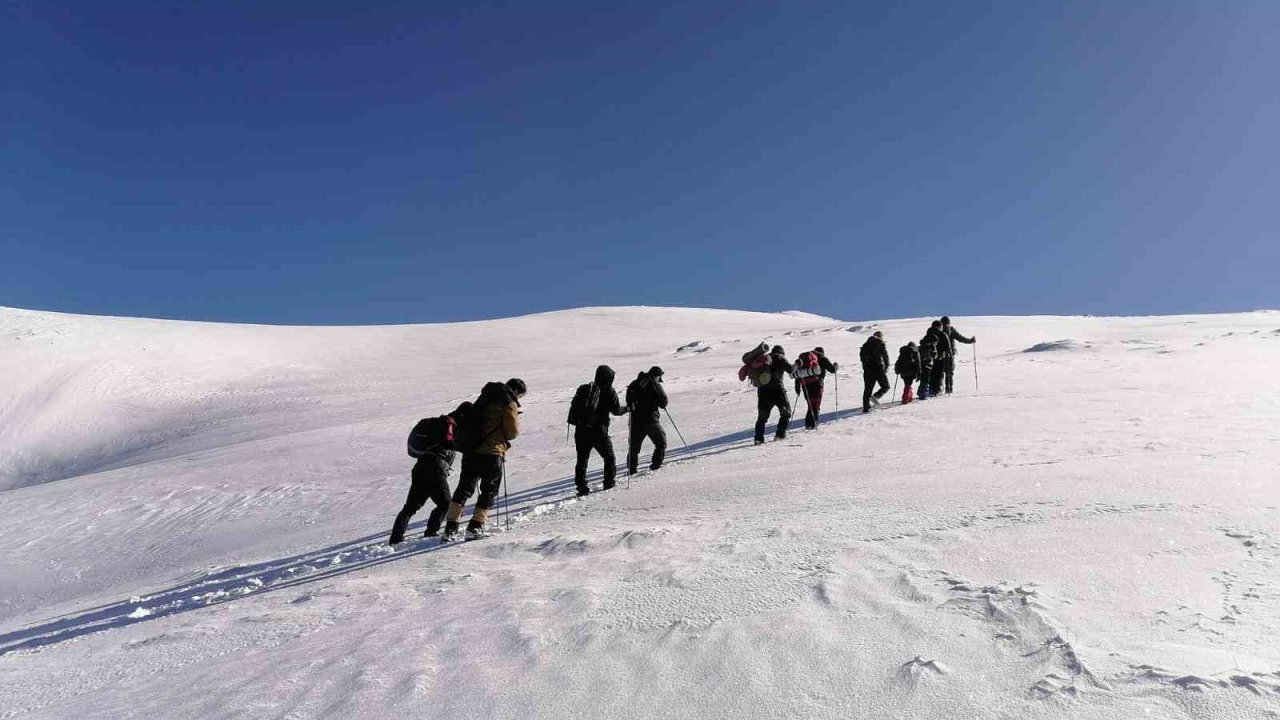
(808, 371)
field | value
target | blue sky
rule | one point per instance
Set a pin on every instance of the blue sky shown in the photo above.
(346, 162)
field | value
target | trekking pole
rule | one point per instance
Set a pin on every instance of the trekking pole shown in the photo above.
(807, 404)
(677, 429)
(895, 387)
(975, 367)
(631, 436)
(835, 376)
(506, 496)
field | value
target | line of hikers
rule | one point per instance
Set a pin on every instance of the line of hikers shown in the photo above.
(482, 431)
(932, 362)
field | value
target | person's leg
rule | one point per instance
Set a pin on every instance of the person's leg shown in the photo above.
(868, 384)
(935, 382)
(604, 445)
(950, 371)
(784, 414)
(907, 381)
(764, 406)
(438, 487)
(659, 438)
(582, 443)
(635, 439)
(412, 504)
(490, 471)
(815, 403)
(883, 379)
(468, 479)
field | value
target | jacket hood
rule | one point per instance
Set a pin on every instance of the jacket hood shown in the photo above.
(604, 376)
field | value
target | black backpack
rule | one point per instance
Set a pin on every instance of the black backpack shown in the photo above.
(429, 434)
(869, 354)
(582, 409)
(908, 362)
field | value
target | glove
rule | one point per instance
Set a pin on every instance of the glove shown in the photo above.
(836, 366)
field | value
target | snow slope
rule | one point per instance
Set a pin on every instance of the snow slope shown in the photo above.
(192, 517)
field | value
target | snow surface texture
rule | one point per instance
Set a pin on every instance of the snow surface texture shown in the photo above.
(193, 521)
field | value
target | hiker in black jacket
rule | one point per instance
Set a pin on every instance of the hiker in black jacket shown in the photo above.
(592, 431)
(953, 336)
(646, 398)
(430, 481)
(908, 368)
(875, 370)
(928, 360)
(774, 394)
(942, 345)
(811, 375)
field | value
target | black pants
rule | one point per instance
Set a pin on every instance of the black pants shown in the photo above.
(871, 377)
(949, 368)
(642, 428)
(587, 439)
(484, 471)
(430, 482)
(936, 378)
(768, 398)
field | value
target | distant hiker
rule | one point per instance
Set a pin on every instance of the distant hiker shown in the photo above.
(875, 370)
(908, 368)
(953, 336)
(942, 348)
(484, 436)
(811, 373)
(646, 398)
(432, 442)
(590, 411)
(771, 393)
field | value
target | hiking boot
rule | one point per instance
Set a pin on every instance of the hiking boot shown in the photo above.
(450, 532)
(610, 486)
(583, 492)
(476, 533)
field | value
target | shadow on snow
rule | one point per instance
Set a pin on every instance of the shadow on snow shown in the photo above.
(326, 563)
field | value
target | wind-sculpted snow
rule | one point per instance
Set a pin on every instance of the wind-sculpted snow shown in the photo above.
(196, 515)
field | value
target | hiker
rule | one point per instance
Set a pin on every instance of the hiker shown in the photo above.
(432, 442)
(942, 348)
(875, 370)
(773, 394)
(908, 368)
(811, 373)
(487, 432)
(590, 411)
(953, 336)
(645, 399)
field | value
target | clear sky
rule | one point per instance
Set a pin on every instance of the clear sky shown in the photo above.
(410, 161)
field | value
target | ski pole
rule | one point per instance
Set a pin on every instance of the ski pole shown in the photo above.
(631, 437)
(808, 404)
(677, 429)
(895, 387)
(835, 376)
(975, 367)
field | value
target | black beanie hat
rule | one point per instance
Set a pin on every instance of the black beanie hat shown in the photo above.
(655, 371)
(517, 386)
(777, 350)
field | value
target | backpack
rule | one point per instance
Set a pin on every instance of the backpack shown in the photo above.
(908, 362)
(582, 409)
(431, 433)
(759, 371)
(867, 353)
(468, 432)
(808, 369)
(928, 351)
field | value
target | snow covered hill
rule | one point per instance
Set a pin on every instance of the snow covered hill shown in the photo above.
(193, 516)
